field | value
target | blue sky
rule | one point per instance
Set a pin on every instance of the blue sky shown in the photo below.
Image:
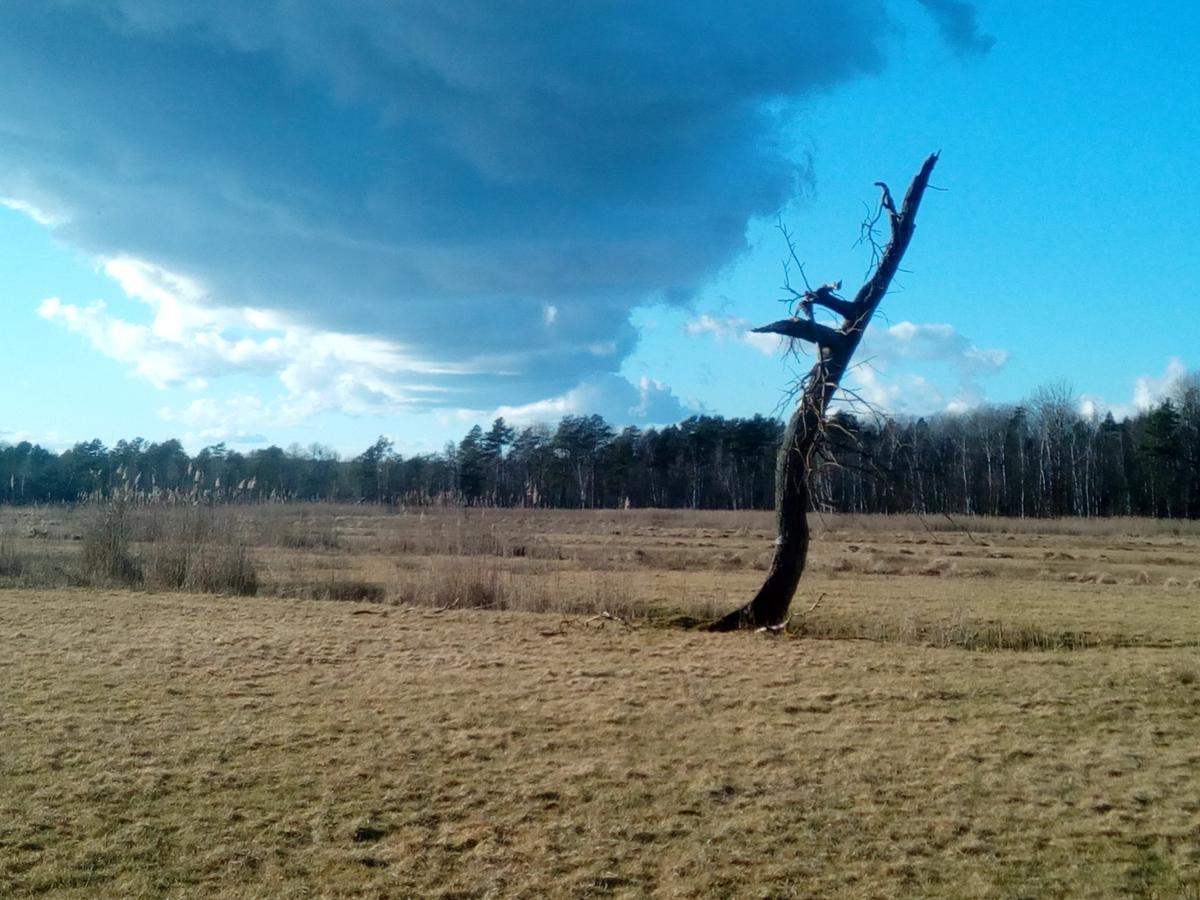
(319, 222)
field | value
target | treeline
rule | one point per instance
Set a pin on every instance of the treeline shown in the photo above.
(1041, 458)
(705, 462)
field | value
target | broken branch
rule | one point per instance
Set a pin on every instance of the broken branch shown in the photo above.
(805, 330)
(609, 617)
(825, 296)
(782, 626)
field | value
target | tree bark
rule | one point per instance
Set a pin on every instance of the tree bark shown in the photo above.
(835, 350)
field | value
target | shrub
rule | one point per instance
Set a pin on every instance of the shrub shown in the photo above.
(222, 569)
(351, 591)
(11, 565)
(106, 556)
(199, 551)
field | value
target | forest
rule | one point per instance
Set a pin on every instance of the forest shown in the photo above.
(1040, 458)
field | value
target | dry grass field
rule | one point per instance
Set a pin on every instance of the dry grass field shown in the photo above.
(425, 704)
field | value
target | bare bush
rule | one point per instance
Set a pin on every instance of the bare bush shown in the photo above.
(12, 565)
(201, 551)
(204, 568)
(39, 567)
(343, 590)
(107, 557)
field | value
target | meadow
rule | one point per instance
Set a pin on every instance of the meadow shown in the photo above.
(349, 701)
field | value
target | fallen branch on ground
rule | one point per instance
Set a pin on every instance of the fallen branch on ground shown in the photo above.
(607, 616)
(782, 626)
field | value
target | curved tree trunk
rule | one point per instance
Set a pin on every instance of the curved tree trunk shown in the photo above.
(835, 350)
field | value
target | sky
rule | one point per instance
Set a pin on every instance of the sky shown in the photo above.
(308, 221)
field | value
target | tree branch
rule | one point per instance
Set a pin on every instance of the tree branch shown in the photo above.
(825, 296)
(903, 225)
(886, 200)
(805, 330)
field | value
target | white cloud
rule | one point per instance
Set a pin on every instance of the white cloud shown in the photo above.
(236, 420)
(186, 344)
(880, 378)
(135, 345)
(735, 330)
(38, 215)
(618, 400)
(1148, 391)
(899, 393)
(883, 349)
(947, 368)
(16, 437)
(935, 342)
(49, 440)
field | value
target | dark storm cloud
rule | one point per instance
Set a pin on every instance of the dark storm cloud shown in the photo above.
(959, 24)
(439, 174)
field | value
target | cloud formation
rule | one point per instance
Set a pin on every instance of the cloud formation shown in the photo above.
(186, 342)
(1148, 392)
(885, 350)
(875, 379)
(958, 22)
(934, 342)
(734, 329)
(490, 185)
(649, 402)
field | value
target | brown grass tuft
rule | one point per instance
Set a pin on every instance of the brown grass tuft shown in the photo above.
(340, 590)
(107, 558)
(199, 550)
(12, 564)
(479, 584)
(939, 567)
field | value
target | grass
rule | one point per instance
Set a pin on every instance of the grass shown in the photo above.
(293, 748)
(1069, 587)
(959, 716)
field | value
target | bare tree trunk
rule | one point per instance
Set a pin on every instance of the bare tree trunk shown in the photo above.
(835, 350)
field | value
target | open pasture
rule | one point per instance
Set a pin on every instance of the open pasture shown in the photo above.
(979, 708)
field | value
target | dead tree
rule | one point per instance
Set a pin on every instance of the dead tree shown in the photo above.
(805, 430)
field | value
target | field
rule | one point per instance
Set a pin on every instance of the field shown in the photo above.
(431, 704)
